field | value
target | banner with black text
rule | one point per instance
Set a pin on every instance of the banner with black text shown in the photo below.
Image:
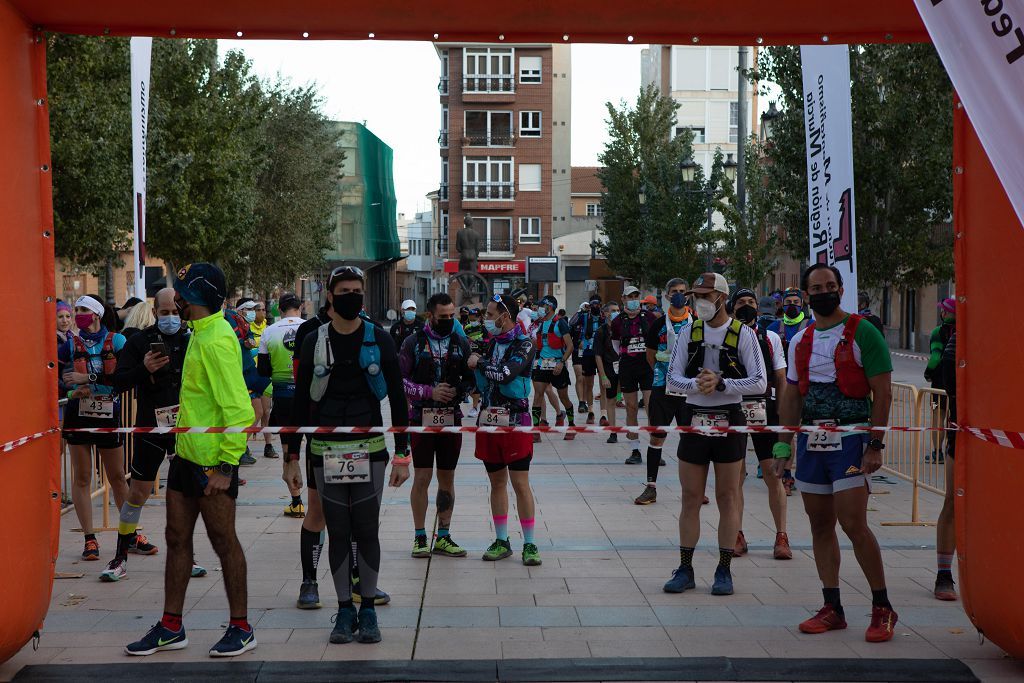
(981, 44)
(141, 54)
(828, 132)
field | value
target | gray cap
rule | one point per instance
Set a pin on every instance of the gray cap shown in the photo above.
(629, 290)
(766, 305)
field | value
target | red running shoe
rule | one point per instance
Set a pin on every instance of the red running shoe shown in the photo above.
(827, 619)
(883, 625)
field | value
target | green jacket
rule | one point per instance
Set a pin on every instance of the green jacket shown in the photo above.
(213, 394)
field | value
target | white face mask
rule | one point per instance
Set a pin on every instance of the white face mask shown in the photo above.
(706, 310)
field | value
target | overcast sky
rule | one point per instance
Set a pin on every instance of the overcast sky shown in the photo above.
(392, 86)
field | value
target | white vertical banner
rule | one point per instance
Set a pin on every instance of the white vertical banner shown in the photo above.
(141, 53)
(828, 129)
(982, 47)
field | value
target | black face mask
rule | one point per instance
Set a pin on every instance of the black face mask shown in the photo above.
(443, 327)
(746, 314)
(348, 305)
(824, 303)
(792, 311)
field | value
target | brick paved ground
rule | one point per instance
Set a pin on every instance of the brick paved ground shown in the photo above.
(598, 593)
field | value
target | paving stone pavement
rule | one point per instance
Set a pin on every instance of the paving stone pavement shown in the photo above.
(598, 593)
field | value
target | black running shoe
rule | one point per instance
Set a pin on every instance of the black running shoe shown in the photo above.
(613, 438)
(634, 458)
(309, 595)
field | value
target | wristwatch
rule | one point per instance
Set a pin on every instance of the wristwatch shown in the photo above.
(93, 377)
(226, 468)
(876, 445)
(721, 385)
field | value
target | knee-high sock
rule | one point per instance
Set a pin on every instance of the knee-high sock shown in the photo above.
(127, 523)
(311, 544)
(528, 525)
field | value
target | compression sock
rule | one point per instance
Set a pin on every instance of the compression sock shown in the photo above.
(945, 561)
(241, 622)
(880, 598)
(296, 500)
(725, 558)
(501, 527)
(442, 531)
(686, 556)
(126, 526)
(171, 621)
(832, 598)
(311, 544)
(536, 415)
(528, 525)
(653, 463)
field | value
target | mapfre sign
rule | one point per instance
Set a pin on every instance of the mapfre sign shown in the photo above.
(489, 267)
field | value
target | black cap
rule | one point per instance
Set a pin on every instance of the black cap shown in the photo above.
(202, 284)
(131, 302)
(288, 301)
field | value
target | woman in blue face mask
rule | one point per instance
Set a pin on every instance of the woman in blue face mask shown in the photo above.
(408, 323)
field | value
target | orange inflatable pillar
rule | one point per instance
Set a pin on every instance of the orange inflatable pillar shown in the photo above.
(990, 377)
(29, 474)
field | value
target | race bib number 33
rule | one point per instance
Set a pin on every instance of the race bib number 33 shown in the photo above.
(823, 442)
(346, 466)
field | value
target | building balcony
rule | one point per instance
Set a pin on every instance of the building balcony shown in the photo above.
(442, 85)
(497, 247)
(489, 88)
(442, 138)
(442, 192)
(501, 192)
(483, 139)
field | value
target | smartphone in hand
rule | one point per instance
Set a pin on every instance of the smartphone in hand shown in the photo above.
(158, 347)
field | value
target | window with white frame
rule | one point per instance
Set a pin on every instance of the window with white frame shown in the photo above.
(529, 124)
(488, 69)
(595, 210)
(488, 128)
(699, 133)
(442, 86)
(442, 139)
(443, 194)
(529, 69)
(734, 122)
(487, 178)
(495, 233)
(529, 230)
(529, 177)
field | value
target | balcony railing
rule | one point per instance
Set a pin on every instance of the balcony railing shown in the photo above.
(442, 139)
(482, 139)
(442, 192)
(497, 245)
(489, 84)
(488, 192)
(442, 85)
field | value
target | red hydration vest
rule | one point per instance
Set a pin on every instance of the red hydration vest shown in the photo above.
(81, 356)
(555, 340)
(850, 377)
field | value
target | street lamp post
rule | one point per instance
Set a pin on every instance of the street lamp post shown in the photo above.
(688, 171)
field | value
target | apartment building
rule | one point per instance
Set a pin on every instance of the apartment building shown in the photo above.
(504, 147)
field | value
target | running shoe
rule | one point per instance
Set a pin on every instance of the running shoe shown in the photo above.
(650, 495)
(92, 550)
(346, 623)
(662, 463)
(590, 418)
(116, 570)
(269, 452)
(782, 551)
(446, 545)
(706, 501)
(682, 580)
(640, 404)
(298, 510)
(582, 407)
(883, 625)
(309, 595)
(827, 619)
(634, 458)
(560, 419)
(531, 556)
(142, 546)
(473, 413)
(613, 438)
(741, 545)
(569, 435)
(198, 571)
(379, 598)
(788, 482)
(234, 642)
(498, 550)
(369, 631)
(536, 435)
(945, 588)
(604, 421)
(247, 458)
(159, 638)
(620, 404)
(420, 548)
(723, 582)
(760, 474)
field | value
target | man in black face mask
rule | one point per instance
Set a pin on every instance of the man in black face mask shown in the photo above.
(839, 373)
(760, 409)
(793, 318)
(344, 373)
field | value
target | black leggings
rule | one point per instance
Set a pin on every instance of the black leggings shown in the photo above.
(352, 513)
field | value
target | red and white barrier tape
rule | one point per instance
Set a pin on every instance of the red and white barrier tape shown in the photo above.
(11, 445)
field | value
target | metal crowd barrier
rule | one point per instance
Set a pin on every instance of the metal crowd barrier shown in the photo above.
(917, 457)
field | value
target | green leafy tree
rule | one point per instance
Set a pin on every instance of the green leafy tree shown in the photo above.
(902, 154)
(91, 149)
(659, 239)
(749, 245)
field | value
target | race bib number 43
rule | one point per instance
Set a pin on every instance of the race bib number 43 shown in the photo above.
(101, 407)
(439, 417)
(346, 465)
(495, 417)
(822, 442)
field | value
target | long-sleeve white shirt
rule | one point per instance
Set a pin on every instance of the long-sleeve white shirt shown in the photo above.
(755, 383)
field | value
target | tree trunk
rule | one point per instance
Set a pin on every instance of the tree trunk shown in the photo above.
(108, 293)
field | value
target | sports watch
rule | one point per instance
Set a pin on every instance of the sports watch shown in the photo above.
(721, 385)
(876, 445)
(93, 377)
(226, 468)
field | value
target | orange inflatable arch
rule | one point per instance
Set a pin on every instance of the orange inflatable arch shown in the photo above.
(989, 239)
